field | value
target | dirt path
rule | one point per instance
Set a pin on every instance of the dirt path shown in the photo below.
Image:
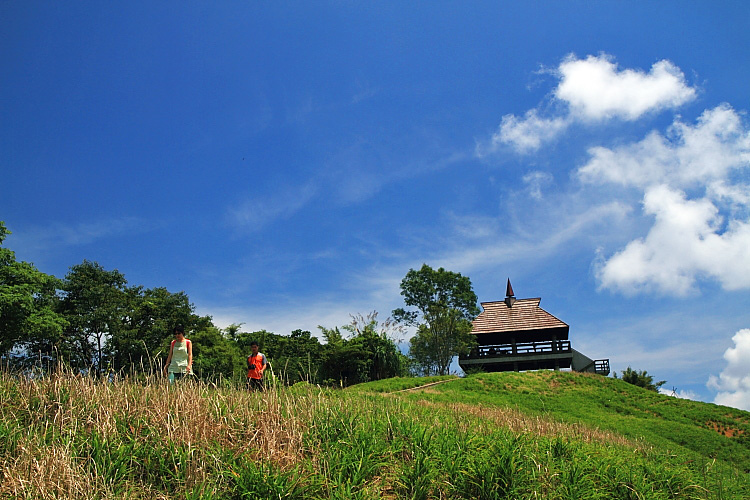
(424, 386)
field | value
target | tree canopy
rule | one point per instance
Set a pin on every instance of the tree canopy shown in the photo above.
(445, 306)
(29, 314)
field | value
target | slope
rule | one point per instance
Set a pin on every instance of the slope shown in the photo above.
(698, 430)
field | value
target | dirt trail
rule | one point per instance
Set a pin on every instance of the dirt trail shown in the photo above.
(424, 386)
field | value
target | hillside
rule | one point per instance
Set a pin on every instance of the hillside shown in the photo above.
(697, 429)
(518, 435)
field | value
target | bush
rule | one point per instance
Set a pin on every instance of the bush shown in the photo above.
(641, 379)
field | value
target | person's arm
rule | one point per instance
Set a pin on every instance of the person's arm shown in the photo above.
(190, 356)
(169, 358)
(263, 365)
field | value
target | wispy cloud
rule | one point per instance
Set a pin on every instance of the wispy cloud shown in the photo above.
(361, 170)
(363, 92)
(35, 240)
(649, 342)
(306, 313)
(498, 244)
(257, 212)
(535, 182)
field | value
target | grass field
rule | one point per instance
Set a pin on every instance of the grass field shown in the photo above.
(550, 435)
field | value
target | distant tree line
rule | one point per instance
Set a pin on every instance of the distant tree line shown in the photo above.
(93, 321)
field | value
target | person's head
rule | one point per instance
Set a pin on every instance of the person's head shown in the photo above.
(179, 331)
(254, 347)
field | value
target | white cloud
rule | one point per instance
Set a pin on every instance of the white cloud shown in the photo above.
(375, 289)
(685, 242)
(595, 89)
(299, 315)
(687, 394)
(689, 156)
(693, 177)
(592, 90)
(528, 133)
(733, 383)
(706, 235)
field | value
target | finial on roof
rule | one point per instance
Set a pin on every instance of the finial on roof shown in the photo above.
(509, 298)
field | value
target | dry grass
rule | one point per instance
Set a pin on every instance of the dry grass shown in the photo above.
(261, 426)
(520, 423)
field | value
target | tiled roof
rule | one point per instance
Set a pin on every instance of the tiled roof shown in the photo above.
(525, 314)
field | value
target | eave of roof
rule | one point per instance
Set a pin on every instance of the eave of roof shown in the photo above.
(525, 314)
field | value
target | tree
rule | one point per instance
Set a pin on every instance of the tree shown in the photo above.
(297, 357)
(293, 358)
(641, 379)
(28, 303)
(232, 331)
(332, 336)
(214, 354)
(368, 354)
(447, 304)
(148, 318)
(94, 305)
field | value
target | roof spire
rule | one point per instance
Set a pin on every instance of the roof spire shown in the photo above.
(509, 298)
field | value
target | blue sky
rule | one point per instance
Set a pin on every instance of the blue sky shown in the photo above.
(286, 163)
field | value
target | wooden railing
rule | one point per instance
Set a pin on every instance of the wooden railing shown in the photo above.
(525, 348)
(602, 366)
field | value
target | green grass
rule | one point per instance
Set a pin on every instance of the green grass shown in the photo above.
(699, 430)
(531, 435)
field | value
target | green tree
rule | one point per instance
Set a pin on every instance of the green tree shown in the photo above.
(384, 360)
(641, 379)
(332, 336)
(368, 354)
(147, 322)
(446, 304)
(215, 355)
(293, 358)
(94, 304)
(298, 357)
(28, 303)
(232, 331)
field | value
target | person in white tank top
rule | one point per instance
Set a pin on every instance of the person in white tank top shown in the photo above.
(180, 359)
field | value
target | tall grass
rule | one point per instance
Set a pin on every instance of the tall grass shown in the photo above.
(67, 436)
(72, 437)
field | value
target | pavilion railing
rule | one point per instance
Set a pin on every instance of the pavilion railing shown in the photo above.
(602, 366)
(521, 348)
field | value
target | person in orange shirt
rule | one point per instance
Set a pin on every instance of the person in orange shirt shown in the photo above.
(256, 365)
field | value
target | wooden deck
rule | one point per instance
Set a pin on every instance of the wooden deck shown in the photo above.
(549, 355)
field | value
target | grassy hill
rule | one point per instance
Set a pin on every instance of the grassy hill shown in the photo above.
(697, 430)
(553, 435)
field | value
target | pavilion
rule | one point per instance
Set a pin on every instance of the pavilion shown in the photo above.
(518, 335)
